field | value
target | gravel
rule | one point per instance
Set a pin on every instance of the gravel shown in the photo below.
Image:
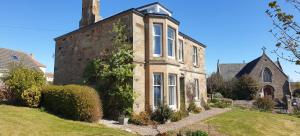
(154, 130)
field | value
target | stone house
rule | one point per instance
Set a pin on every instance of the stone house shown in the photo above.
(9, 57)
(169, 65)
(269, 74)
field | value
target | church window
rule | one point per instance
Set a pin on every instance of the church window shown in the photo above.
(267, 75)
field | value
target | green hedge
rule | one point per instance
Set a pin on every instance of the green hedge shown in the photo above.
(72, 102)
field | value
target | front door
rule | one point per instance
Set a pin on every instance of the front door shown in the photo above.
(182, 94)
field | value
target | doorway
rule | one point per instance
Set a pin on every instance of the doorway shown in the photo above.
(182, 94)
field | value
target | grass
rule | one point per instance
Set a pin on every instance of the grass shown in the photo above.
(240, 122)
(20, 121)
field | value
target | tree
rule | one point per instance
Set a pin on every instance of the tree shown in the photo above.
(286, 30)
(215, 84)
(245, 88)
(114, 75)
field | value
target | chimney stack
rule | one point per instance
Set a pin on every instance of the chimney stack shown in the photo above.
(90, 12)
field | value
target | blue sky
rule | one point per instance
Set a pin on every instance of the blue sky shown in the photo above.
(234, 30)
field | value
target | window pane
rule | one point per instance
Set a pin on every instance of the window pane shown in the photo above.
(157, 96)
(157, 47)
(157, 29)
(180, 50)
(170, 48)
(171, 33)
(157, 39)
(172, 90)
(171, 42)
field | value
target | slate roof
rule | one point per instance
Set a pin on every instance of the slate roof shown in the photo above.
(7, 57)
(135, 10)
(229, 71)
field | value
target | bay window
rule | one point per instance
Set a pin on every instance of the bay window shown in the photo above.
(157, 40)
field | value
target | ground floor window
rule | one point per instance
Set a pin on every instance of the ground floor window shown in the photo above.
(157, 89)
(172, 91)
(196, 89)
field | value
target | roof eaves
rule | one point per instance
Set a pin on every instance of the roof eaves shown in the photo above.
(192, 39)
(163, 16)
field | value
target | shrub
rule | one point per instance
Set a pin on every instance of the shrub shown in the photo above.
(142, 118)
(264, 104)
(72, 102)
(218, 95)
(196, 133)
(221, 103)
(162, 114)
(245, 88)
(31, 97)
(176, 116)
(20, 78)
(193, 108)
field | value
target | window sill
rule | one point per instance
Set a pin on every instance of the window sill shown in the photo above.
(181, 62)
(196, 66)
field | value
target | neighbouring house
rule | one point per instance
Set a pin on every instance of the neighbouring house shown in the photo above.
(9, 57)
(49, 77)
(169, 65)
(269, 74)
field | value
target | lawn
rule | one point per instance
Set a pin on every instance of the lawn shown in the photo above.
(240, 122)
(20, 121)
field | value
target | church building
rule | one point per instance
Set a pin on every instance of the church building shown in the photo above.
(274, 83)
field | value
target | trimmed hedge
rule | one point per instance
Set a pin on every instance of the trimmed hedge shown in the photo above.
(74, 102)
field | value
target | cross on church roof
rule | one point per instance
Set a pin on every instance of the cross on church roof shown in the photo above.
(264, 49)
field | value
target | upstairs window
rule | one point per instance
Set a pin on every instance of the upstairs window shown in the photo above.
(195, 56)
(157, 40)
(181, 51)
(267, 75)
(15, 58)
(171, 42)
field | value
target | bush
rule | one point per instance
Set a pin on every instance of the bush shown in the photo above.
(221, 103)
(72, 102)
(218, 95)
(142, 119)
(193, 108)
(31, 97)
(245, 89)
(162, 114)
(176, 116)
(21, 78)
(196, 133)
(264, 104)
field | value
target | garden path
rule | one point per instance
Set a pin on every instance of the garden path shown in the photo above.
(154, 130)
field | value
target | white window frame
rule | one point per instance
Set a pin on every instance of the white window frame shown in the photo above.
(196, 89)
(173, 41)
(174, 86)
(154, 37)
(161, 89)
(181, 51)
(195, 56)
